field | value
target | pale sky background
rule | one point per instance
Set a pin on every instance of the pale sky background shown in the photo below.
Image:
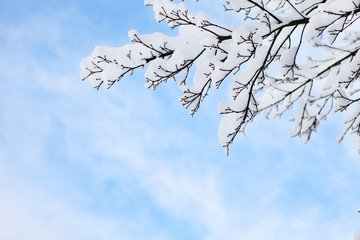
(129, 163)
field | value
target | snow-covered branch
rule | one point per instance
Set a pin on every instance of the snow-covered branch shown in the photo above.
(267, 57)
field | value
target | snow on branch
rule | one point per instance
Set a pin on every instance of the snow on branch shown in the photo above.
(284, 54)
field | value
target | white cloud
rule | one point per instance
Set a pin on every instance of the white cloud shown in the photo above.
(357, 235)
(29, 209)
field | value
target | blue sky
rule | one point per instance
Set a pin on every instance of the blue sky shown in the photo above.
(129, 163)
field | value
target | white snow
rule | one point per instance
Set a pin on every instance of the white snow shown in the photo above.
(262, 52)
